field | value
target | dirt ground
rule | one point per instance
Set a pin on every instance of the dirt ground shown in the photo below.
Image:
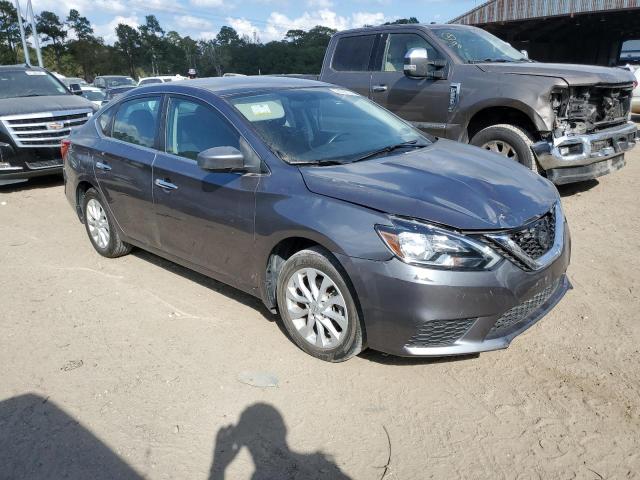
(138, 368)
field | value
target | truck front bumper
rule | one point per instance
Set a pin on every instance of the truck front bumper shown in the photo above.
(575, 158)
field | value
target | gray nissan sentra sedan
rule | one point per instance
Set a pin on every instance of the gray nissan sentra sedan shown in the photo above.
(358, 229)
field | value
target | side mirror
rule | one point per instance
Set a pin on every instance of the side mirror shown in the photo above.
(418, 65)
(75, 89)
(525, 53)
(221, 159)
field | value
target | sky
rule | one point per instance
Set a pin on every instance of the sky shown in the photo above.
(269, 19)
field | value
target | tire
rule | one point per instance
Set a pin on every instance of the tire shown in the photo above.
(110, 246)
(512, 139)
(318, 264)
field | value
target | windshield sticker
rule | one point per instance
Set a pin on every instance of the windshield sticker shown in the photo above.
(260, 111)
(35, 72)
(342, 91)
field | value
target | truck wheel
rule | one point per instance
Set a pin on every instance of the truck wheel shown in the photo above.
(317, 306)
(508, 140)
(101, 228)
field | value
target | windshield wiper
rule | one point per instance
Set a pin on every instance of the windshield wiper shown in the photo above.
(318, 163)
(390, 148)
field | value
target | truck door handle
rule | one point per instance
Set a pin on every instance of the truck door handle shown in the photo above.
(379, 88)
(165, 184)
(103, 166)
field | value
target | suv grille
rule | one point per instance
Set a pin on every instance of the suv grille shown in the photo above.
(521, 312)
(43, 130)
(440, 333)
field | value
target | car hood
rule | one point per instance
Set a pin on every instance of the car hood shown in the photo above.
(447, 183)
(571, 74)
(49, 103)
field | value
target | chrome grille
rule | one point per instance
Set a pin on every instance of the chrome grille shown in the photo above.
(521, 312)
(43, 130)
(440, 333)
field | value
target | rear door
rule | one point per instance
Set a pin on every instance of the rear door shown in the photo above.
(122, 164)
(350, 63)
(422, 101)
(204, 217)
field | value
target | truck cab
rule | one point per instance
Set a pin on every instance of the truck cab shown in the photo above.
(37, 111)
(567, 122)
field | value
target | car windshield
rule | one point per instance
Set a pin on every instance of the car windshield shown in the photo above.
(29, 83)
(93, 95)
(322, 125)
(71, 80)
(476, 46)
(120, 81)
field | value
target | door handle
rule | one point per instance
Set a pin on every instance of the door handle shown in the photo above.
(103, 166)
(165, 184)
(379, 88)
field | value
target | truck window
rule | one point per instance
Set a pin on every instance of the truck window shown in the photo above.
(352, 54)
(398, 44)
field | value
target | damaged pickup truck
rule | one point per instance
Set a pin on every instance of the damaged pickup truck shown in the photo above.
(568, 122)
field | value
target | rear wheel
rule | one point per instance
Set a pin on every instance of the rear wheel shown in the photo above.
(317, 306)
(101, 228)
(507, 140)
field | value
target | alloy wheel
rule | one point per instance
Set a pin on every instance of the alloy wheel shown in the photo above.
(502, 148)
(317, 308)
(98, 223)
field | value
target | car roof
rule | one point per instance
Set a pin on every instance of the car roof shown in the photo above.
(225, 86)
(113, 76)
(426, 26)
(20, 67)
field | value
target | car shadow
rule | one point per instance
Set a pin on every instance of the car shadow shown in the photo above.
(386, 359)
(38, 440)
(32, 183)
(207, 282)
(571, 189)
(262, 431)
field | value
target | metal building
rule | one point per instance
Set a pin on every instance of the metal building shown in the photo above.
(578, 31)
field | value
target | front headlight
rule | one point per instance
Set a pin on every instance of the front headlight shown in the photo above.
(423, 244)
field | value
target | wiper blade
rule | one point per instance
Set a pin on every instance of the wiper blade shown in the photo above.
(318, 163)
(390, 148)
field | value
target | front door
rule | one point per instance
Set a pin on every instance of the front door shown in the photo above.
(122, 164)
(422, 101)
(204, 217)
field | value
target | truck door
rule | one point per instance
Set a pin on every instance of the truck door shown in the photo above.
(349, 66)
(422, 101)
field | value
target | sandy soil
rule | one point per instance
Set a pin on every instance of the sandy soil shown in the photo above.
(131, 368)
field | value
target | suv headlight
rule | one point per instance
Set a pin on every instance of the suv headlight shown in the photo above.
(423, 244)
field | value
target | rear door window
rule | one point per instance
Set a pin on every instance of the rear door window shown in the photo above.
(137, 121)
(353, 54)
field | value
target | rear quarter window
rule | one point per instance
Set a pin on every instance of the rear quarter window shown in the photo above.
(352, 54)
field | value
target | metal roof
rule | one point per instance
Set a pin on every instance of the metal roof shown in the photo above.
(496, 11)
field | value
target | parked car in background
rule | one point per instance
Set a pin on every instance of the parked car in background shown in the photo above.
(96, 95)
(107, 82)
(114, 92)
(358, 228)
(568, 122)
(160, 79)
(37, 111)
(636, 94)
(68, 81)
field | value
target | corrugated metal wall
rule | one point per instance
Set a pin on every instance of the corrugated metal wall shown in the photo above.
(509, 10)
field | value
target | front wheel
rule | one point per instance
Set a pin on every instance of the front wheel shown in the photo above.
(507, 140)
(317, 306)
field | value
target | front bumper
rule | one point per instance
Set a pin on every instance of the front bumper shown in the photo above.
(416, 311)
(18, 165)
(571, 151)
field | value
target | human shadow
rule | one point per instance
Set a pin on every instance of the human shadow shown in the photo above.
(38, 440)
(262, 431)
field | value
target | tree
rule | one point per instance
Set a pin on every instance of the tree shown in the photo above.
(49, 25)
(227, 36)
(151, 34)
(403, 21)
(80, 25)
(129, 44)
(9, 32)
